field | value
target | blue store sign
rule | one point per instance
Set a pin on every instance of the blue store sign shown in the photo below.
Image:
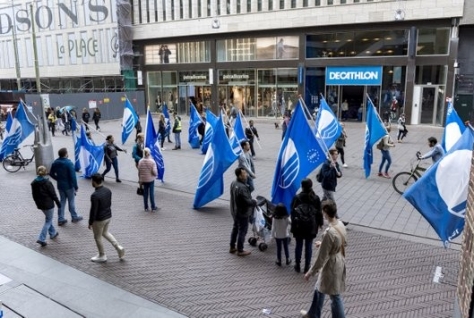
(354, 75)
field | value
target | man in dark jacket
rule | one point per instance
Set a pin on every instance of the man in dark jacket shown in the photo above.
(62, 171)
(241, 208)
(45, 196)
(251, 133)
(304, 231)
(99, 219)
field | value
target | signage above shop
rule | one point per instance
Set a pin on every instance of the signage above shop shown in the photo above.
(354, 75)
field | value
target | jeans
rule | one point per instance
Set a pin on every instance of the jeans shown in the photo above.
(101, 229)
(282, 242)
(241, 225)
(252, 150)
(341, 153)
(327, 194)
(337, 306)
(70, 196)
(308, 250)
(149, 190)
(48, 225)
(385, 158)
(250, 184)
(177, 139)
(108, 165)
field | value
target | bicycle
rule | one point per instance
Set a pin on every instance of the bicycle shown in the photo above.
(13, 162)
(403, 180)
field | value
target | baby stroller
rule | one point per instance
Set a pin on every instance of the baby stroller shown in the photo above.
(262, 223)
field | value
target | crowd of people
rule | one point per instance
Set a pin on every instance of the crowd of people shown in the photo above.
(304, 220)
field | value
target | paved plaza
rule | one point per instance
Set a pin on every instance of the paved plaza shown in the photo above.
(178, 257)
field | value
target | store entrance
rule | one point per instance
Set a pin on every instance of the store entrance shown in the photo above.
(240, 96)
(354, 95)
(197, 93)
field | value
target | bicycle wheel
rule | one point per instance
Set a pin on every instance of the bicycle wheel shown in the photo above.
(12, 164)
(402, 181)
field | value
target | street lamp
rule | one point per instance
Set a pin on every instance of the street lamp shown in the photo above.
(15, 51)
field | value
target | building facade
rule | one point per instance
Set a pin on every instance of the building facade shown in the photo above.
(261, 55)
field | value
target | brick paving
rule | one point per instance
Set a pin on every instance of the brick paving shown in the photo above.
(178, 257)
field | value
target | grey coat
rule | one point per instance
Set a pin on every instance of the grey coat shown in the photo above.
(330, 263)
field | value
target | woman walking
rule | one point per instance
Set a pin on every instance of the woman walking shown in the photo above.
(162, 130)
(341, 143)
(330, 264)
(147, 173)
(402, 129)
(386, 158)
(96, 117)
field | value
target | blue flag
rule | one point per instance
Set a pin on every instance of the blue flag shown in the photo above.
(211, 121)
(327, 127)
(130, 119)
(90, 156)
(239, 130)
(374, 131)
(151, 141)
(166, 114)
(7, 132)
(300, 153)
(219, 158)
(194, 121)
(453, 129)
(440, 195)
(20, 129)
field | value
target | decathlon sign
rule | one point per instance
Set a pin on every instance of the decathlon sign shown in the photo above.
(354, 75)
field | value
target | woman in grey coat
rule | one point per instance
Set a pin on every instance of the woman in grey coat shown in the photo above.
(331, 266)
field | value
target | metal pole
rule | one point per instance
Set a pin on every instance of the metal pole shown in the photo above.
(44, 155)
(15, 50)
(35, 54)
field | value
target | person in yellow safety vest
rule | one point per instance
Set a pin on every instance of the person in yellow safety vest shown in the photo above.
(52, 122)
(177, 131)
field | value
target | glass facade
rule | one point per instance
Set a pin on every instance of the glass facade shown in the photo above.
(357, 44)
(185, 52)
(250, 49)
(433, 41)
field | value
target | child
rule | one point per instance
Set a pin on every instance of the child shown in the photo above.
(280, 231)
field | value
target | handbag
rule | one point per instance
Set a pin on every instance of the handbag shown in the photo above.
(139, 191)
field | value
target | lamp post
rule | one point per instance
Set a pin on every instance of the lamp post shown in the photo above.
(15, 51)
(43, 145)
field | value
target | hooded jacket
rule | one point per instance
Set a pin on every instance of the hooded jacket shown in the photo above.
(44, 194)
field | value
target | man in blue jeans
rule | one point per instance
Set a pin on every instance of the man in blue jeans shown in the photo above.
(62, 171)
(241, 208)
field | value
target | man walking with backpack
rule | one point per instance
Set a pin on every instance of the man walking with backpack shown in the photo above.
(306, 219)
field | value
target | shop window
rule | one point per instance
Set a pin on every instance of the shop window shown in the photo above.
(184, 52)
(357, 44)
(433, 41)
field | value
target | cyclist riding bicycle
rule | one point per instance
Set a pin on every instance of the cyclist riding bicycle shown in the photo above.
(436, 152)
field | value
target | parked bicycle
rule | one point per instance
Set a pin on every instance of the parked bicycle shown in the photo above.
(13, 162)
(403, 180)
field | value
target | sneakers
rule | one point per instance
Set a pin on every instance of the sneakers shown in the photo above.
(344, 165)
(55, 235)
(386, 175)
(121, 251)
(232, 250)
(118, 180)
(163, 148)
(297, 268)
(380, 174)
(155, 209)
(278, 263)
(62, 222)
(77, 219)
(243, 253)
(345, 223)
(304, 314)
(288, 262)
(42, 243)
(99, 258)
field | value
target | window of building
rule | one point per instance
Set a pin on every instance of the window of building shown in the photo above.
(163, 6)
(357, 44)
(239, 6)
(330, 2)
(305, 3)
(218, 7)
(199, 7)
(282, 4)
(293, 4)
(184, 52)
(228, 7)
(209, 9)
(249, 5)
(270, 5)
(343, 1)
(433, 41)
(259, 5)
(430, 74)
(190, 9)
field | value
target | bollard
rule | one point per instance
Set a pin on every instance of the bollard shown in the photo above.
(43, 145)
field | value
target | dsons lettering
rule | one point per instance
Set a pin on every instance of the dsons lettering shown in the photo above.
(353, 75)
(45, 17)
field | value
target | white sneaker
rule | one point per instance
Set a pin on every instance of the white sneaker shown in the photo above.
(304, 314)
(163, 148)
(121, 251)
(99, 259)
(344, 165)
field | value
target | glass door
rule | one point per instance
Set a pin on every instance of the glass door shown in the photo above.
(429, 99)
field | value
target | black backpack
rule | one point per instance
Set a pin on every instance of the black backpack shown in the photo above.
(303, 220)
